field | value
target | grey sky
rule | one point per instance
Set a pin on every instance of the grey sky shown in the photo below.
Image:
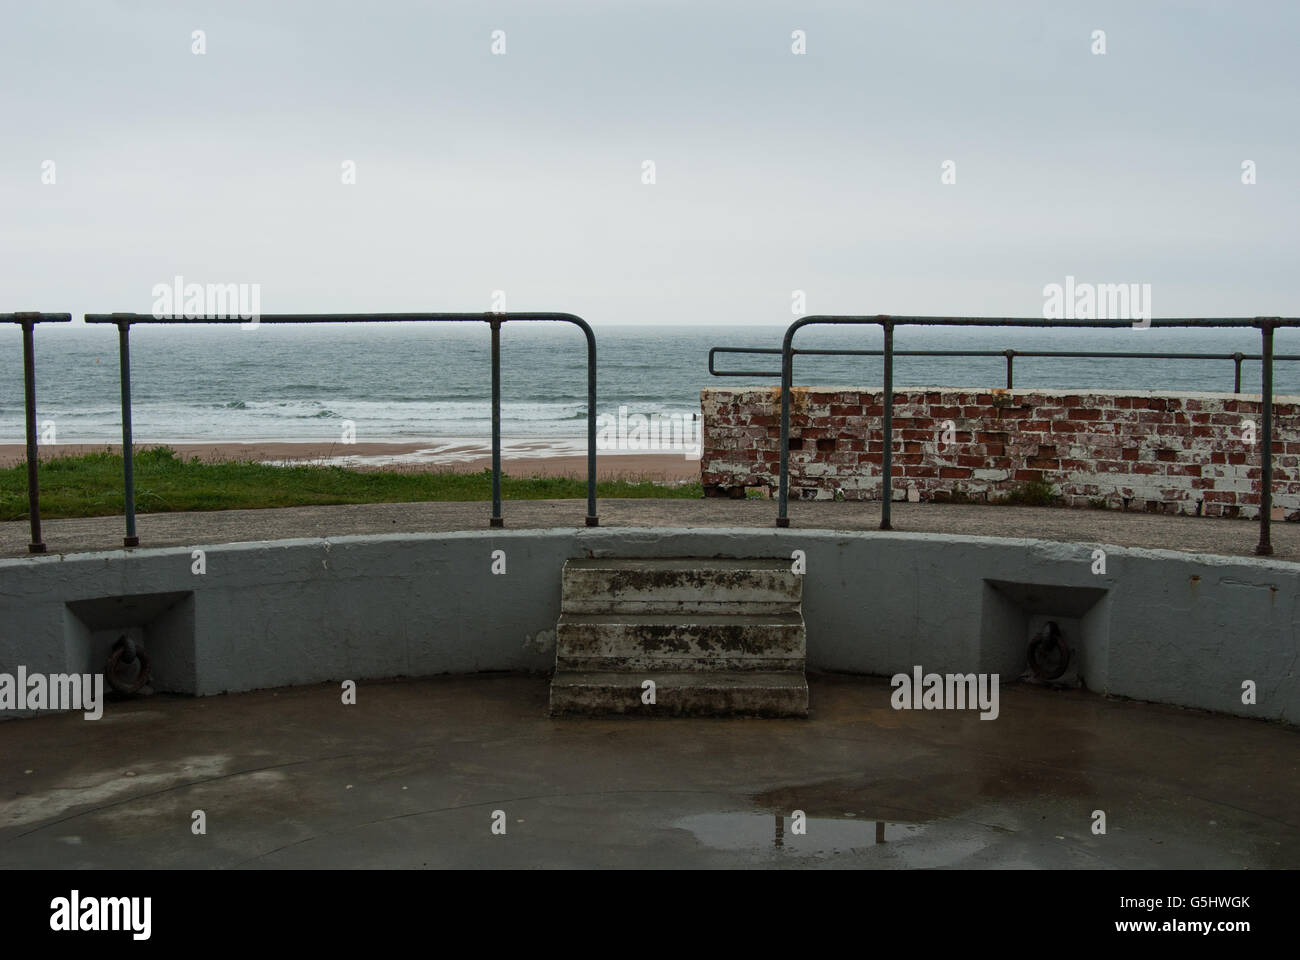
(775, 172)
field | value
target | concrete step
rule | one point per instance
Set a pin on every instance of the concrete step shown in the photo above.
(601, 693)
(718, 638)
(677, 585)
(680, 641)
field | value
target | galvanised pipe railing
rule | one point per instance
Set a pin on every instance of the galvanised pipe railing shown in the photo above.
(1009, 354)
(28, 322)
(887, 323)
(124, 322)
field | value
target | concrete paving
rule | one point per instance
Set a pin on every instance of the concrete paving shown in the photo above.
(1190, 534)
(412, 775)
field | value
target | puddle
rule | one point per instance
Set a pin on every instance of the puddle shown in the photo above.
(756, 831)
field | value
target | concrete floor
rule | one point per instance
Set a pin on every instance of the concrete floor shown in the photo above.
(1188, 534)
(411, 775)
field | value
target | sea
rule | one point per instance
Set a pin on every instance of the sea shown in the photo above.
(432, 382)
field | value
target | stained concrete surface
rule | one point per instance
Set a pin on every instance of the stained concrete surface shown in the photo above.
(410, 777)
(1158, 531)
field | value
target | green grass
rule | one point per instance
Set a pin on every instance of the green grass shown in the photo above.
(91, 486)
(1032, 493)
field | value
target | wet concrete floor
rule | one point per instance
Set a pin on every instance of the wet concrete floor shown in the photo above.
(414, 775)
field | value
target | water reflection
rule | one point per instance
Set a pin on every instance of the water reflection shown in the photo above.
(740, 831)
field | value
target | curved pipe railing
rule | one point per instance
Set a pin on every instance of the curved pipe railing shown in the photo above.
(124, 322)
(28, 322)
(1009, 354)
(887, 323)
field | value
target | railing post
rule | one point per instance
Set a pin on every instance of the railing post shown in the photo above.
(1236, 380)
(783, 481)
(128, 449)
(37, 544)
(887, 458)
(1010, 354)
(592, 519)
(1265, 546)
(496, 520)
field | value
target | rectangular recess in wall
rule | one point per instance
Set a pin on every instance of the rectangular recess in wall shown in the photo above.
(162, 622)
(1014, 611)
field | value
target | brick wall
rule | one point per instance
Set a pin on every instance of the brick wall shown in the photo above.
(1160, 452)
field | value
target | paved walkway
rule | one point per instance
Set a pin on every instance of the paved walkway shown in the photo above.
(1190, 534)
(411, 775)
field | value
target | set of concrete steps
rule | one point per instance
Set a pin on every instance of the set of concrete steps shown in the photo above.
(716, 637)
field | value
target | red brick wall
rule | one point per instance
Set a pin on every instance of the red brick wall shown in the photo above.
(1170, 452)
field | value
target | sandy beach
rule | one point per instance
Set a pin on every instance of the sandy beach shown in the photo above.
(519, 458)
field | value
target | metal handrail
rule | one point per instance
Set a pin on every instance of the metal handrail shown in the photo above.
(887, 323)
(124, 322)
(1009, 354)
(28, 322)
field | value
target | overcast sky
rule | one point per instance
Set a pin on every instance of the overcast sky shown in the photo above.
(774, 171)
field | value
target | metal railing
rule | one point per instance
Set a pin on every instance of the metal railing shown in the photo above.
(28, 322)
(887, 323)
(1238, 358)
(124, 322)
